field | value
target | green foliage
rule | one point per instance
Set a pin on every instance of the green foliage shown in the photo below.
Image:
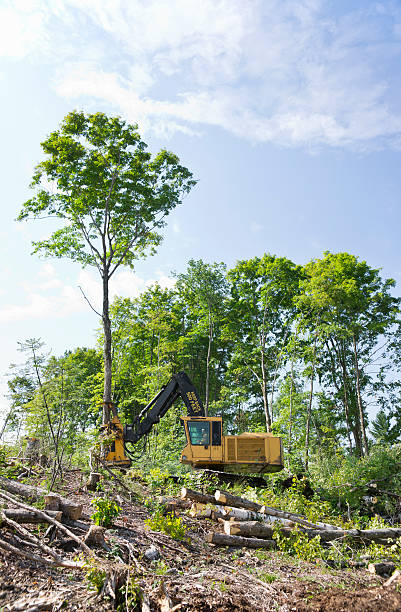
(392, 552)
(170, 524)
(94, 573)
(299, 545)
(343, 478)
(129, 594)
(105, 511)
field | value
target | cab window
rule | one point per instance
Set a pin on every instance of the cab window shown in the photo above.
(199, 433)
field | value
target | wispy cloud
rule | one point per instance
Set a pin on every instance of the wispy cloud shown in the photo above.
(48, 297)
(292, 72)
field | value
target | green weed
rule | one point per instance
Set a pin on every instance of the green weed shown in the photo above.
(170, 524)
(105, 510)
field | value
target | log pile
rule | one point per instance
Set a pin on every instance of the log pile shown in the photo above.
(246, 523)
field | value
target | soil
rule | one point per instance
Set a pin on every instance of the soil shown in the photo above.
(188, 576)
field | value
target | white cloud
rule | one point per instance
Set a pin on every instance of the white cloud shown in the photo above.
(292, 72)
(22, 27)
(53, 299)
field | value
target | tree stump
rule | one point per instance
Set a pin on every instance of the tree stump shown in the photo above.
(93, 480)
(95, 536)
(52, 502)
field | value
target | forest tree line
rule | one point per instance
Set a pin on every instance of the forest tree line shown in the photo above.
(311, 353)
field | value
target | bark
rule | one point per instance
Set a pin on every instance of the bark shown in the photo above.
(197, 497)
(248, 529)
(69, 508)
(106, 349)
(359, 398)
(260, 530)
(240, 514)
(295, 518)
(26, 516)
(209, 350)
(93, 481)
(200, 511)
(308, 418)
(222, 539)
(226, 499)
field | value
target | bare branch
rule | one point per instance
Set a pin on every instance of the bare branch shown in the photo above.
(94, 310)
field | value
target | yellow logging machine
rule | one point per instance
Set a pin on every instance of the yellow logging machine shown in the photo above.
(206, 447)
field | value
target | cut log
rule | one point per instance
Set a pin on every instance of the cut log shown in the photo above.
(52, 501)
(222, 539)
(289, 516)
(248, 529)
(201, 511)
(195, 496)
(261, 530)
(69, 508)
(381, 569)
(93, 481)
(240, 514)
(25, 516)
(226, 499)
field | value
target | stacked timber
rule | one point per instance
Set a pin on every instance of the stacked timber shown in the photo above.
(249, 524)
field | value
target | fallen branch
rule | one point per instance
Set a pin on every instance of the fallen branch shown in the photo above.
(57, 560)
(48, 519)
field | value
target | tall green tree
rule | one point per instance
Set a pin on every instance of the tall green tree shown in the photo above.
(261, 314)
(110, 197)
(204, 289)
(350, 308)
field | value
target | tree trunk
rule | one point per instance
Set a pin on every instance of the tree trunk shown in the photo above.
(106, 349)
(221, 539)
(209, 350)
(264, 392)
(360, 405)
(308, 418)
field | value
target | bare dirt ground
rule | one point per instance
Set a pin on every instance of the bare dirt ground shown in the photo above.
(191, 576)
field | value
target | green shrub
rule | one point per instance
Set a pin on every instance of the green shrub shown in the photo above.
(94, 574)
(170, 524)
(299, 545)
(105, 510)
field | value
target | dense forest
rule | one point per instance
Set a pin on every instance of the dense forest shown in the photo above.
(311, 353)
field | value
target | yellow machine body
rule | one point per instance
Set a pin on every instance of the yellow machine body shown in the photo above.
(248, 453)
(115, 454)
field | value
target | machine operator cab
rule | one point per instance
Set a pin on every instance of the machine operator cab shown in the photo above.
(207, 448)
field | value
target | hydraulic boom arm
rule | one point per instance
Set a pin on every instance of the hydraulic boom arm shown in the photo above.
(179, 386)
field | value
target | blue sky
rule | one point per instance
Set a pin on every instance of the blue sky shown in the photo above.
(287, 111)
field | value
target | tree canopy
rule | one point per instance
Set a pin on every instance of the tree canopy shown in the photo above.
(111, 197)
